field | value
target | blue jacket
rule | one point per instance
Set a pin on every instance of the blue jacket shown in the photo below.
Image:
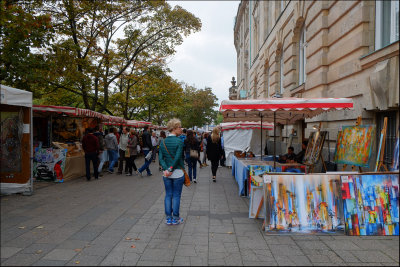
(175, 147)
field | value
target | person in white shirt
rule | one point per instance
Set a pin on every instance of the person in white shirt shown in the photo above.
(154, 142)
(123, 145)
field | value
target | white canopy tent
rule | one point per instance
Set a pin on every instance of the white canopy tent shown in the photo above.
(15, 97)
(243, 136)
(280, 110)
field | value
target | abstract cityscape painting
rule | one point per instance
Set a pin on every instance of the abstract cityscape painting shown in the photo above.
(315, 144)
(303, 203)
(371, 204)
(258, 170)
(354, 145)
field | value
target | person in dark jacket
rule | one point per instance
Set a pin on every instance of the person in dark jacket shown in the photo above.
(101, 160)
(191, 143)
(147, 147)
(214, 151)
(91, 146)
(171, 161)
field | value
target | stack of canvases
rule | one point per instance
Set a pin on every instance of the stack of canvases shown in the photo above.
(361, 204)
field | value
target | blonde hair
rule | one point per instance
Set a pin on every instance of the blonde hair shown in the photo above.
(215, 135)
(173, 124)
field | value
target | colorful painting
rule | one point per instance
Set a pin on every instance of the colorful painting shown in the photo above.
(371, 204)
(354, 145)
(259, 171)
(314, 147)
(303, 203)
(256, 195)
(49, 164)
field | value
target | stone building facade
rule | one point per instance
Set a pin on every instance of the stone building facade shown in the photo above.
(322, 49)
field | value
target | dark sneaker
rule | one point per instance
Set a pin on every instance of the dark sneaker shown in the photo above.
(177, 221)
(214, 179)
(149, 174)
(168, 221)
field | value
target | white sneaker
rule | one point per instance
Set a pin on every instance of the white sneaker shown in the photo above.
(195, 181)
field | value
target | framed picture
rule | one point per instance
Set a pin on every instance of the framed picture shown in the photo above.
(256, 195)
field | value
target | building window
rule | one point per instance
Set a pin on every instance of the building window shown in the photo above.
(302, 56)
(386, 23)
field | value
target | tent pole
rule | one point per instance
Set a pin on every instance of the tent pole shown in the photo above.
(274, 140)
(261, 138)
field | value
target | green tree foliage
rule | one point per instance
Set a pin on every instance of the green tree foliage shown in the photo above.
(198, 107)
(91, 50)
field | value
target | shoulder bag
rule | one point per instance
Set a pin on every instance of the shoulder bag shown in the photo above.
(186, 181)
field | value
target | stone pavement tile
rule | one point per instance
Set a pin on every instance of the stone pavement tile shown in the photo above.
(167, 236)
(39, 248)
(21, 259)
(347, 256)
(256, 255)
(371, 256)
(115, 257)
(260, 263)
(50, 263)
(393, 253)
(222, 228)
(144, 237)
(284, 261)
(234, 259)
(199, 261)
(163, 244)
(341, 245)
(225, 237)
(311, 244)
(97, 250)
(282, 250)
(318, 258)
(60, 254)
(58, 236)
(370, 244)
(72, 244)
(150, 229)
(156, 254)
(218, 262)
(84, 235)
(154, 263)
(220, 221)
(300, 260)
(364, 264)
(200, 239)
(305, 237)
(242, 220)
(186, 250)
(181, 261)
(251, 242)
(136, 246)
(7, 252)
(130, 259)
(85, 260)
(278, 240)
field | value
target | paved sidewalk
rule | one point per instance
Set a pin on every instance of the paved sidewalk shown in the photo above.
(119, 220)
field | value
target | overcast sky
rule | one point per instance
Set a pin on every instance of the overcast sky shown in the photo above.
(208, 58)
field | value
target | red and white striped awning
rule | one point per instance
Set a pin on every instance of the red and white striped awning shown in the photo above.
(113, 120)
(71, 111)
(287, 110)
(245, 125)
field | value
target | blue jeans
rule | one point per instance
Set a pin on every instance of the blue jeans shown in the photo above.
(103, 158)
(146, 163)
(192, 166)
(172, 201)
(113, 157)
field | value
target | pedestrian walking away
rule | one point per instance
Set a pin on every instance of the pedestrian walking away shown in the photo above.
(133, 141)
(91, 146)
(147, 148)
(112, 149)
(103, 152)
(204, 143)
(214, 151)
(192, 150)
(123, 143)
(170, 157)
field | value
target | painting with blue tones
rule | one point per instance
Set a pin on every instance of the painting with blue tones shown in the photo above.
(371, 204)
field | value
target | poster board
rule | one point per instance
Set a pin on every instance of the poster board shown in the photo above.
(354, 145)
(371, 204)
(49, 164)
(314, 147)
(303, 203)
(256, 194)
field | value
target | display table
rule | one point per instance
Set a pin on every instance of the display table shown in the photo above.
(75, 167)
(241, 168)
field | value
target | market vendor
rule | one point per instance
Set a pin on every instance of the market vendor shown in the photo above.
(288, 157)
(300, 156)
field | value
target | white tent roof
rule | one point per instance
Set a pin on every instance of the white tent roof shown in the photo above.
(15, 97)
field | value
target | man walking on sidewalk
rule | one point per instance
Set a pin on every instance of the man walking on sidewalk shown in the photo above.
(91, 146)
(112, 149)
(147, 148)
(123, 145)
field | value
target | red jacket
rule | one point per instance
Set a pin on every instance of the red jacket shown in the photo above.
(90, 144)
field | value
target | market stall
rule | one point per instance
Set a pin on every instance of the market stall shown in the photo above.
(15, 141)
(57, 133)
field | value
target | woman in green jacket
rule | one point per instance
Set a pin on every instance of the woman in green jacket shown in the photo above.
(170, 157)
